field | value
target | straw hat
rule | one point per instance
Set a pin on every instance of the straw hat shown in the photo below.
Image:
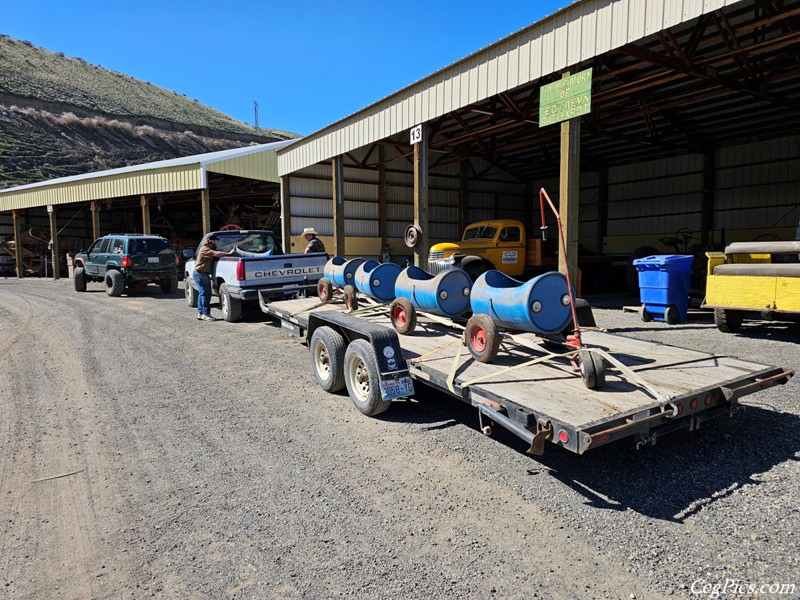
(310, 230)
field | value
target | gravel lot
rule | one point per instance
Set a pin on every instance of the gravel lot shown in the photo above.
(145, 453)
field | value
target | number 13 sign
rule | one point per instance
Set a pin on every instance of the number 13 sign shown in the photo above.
(416, 134)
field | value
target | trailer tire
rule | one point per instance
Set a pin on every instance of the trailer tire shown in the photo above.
(231, 307)
(324, 290)
(79, 279)
(728, 321)
(189, 292)
(589, 370)
(350, 298)
(168, 286)
(362, 379)
(403, 316)
(482, 337)
(115, 283)
(599, 369)
(327, 348)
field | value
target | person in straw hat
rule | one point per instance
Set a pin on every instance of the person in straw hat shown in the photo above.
(314, 243)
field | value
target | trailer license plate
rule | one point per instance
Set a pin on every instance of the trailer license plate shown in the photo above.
(152, 260)
(396, 388)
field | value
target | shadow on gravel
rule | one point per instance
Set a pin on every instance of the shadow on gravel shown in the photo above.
(681, 475)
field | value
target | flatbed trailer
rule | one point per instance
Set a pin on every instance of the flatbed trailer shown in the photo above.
(533, 389)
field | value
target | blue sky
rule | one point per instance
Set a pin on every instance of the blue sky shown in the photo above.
(306, 63)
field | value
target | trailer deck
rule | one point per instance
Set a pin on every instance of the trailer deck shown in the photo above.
(650, 388)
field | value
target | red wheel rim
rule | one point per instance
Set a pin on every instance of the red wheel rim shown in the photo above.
(399, 315)
(477, 339)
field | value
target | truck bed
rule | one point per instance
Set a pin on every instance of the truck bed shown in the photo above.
(552, 391)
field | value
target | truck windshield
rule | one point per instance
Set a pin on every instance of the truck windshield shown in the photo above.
(484, 232)
(249, 242)
(150, 246)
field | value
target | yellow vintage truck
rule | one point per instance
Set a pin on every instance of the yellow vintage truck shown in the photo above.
(761, 277)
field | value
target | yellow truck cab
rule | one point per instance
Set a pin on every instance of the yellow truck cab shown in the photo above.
(498, 244)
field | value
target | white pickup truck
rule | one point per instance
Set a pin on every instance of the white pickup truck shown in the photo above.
(257, 267)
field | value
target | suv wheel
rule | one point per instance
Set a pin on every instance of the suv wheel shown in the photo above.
(189, 292)
(79, 279)
(231, 307)
(169, 286)
(115, 283)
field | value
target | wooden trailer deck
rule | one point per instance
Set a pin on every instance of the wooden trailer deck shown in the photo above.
(551, 388)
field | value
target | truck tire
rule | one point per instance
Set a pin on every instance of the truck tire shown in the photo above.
(403, 316)
(231, 307)
(115, 283)
(169, 286)
(325, 290)
(350, 298)
(362, 379)
(728, 321)
(189, 292)
(475, 266)
(482, 337)
(79, 279)
(327, 348)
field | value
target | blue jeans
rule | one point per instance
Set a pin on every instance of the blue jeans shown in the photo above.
(203, 281)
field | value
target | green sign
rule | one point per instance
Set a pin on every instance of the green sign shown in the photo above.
(567, 98)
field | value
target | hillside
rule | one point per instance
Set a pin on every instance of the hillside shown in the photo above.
(62, 116)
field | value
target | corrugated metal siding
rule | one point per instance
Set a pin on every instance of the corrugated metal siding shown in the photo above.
(186, 177)
(576, 33)
(262, 166)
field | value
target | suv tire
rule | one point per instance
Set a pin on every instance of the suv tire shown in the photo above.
(79, 279)
(115, 283)
(189, 292)
(169, 286)
(231, 307)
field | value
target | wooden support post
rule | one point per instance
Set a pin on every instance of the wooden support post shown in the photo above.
(568, 197)
(602, 209)
(383, 232)
(145, 202)
(421, 198)
(51, 210)
(95, 206)
(709, 195)
(462, 198)
(338, 206)
(205, 200)
(286, 215)
(17, 216)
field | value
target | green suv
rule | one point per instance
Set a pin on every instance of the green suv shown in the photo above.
(128, 260)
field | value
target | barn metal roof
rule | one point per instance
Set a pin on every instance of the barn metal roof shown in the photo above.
(579, 32)
(173, 175)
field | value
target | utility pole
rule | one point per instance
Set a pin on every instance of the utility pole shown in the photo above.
(255, 110)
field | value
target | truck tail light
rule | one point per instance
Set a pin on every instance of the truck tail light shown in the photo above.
(177, 261)
(240, 271)
(126, 261)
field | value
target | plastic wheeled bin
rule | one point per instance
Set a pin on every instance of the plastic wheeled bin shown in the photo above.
(664, 286)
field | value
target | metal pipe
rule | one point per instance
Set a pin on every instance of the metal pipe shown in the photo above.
(503, 420)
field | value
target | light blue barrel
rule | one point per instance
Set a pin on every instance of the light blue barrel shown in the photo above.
(540, 305)
(445, 294)
(377, 280)
(341, 271)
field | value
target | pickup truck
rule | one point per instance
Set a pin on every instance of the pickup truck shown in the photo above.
(257, 267)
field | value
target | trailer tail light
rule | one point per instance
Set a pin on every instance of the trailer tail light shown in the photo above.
(693, 404)
(126, 261)
(240, 271)
(680, 407)
(603, 437)
(563, 436)
(709, 400)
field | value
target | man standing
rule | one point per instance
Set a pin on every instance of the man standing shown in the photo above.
(314, 244)
(202, 276)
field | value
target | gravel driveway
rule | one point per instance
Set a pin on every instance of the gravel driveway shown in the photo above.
(145, 453)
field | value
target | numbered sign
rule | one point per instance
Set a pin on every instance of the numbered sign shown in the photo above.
(416, 134)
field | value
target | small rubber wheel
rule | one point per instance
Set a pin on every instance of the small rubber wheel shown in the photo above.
(403, 316)
(327, 348)
(350, 298)
(115, 283)
(728, 321)
(169, 286)
(362, 380)
(671, 315)
(325, 290)
(588, 369)
(483, 339)
(189, 292)
(599, 369)
(79, 279)
(646, 316)
(231, 307)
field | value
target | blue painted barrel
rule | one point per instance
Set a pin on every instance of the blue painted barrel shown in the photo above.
(377, 280)
(445, 294)
(341, 271)
(540, 305)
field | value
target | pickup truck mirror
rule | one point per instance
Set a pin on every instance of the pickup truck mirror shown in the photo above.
(187, 253)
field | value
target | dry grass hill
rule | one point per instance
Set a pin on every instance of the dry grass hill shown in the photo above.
(62, 116)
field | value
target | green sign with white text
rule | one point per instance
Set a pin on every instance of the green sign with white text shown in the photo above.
(567, 98)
